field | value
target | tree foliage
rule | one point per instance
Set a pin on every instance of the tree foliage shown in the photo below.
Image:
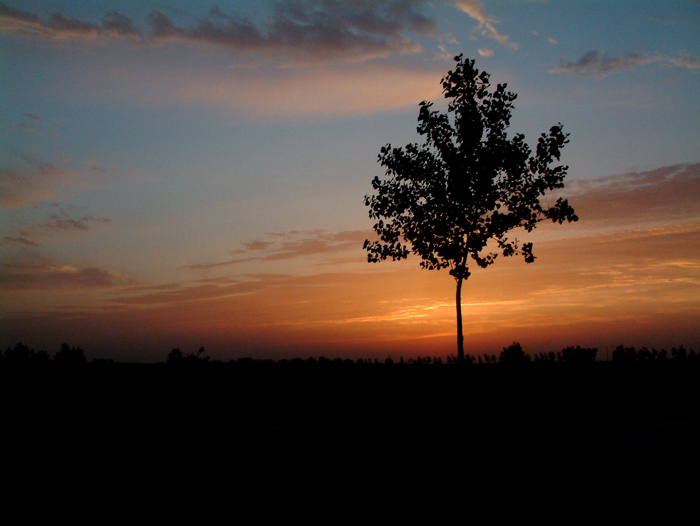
(453, 199)
(177, 357)
(70, 356)
(513, 355)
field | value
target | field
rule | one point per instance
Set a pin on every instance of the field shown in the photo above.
(308, 437)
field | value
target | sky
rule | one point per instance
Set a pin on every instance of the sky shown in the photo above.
(192, 173)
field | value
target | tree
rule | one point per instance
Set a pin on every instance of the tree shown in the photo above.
(177, 357)
(578, 356)
(22, 355)
(70, 356)
(513, 355)
(456, 197)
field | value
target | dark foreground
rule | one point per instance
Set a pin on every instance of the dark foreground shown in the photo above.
(150, 441)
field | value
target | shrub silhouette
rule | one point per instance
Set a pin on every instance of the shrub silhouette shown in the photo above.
(70, 356)
(177, 357)
(513, 355)
(577, 355)
(21, 354)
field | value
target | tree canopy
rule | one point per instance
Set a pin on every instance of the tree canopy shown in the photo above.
(455, 198)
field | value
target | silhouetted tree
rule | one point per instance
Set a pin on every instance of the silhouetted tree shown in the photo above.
(513, 355)
(546, 357)
(577, 355)
(644, 355)
(177, 357)
(679, 354)
(71, 356)
(21, 354)
(488, 358)
(660, 355)
(624, 355)
(466, 186)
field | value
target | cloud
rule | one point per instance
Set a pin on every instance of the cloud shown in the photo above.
(31, 184)
(177, 294)
(647, 200)
(291, 245)
(309, 30)
(443, 54)
(117, 24)
(23, 277)
(256, 244)
(92, 163)
(249, 77)
(598, 64)
(663, 195)
(686, 60)
(655, 265)
(676, 20)
(27, 181)
(301, 244)
(60, 222)
(63, 222)
(33, 116)
(487, 28)
(330, 91)
(32, 126)
(485, 52)
(8, 14)
(58, 26)
(19, 240)
(33, 129)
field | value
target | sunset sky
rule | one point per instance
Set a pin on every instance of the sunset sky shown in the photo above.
(191, 173)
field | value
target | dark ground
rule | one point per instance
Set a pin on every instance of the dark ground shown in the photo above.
(335, 440)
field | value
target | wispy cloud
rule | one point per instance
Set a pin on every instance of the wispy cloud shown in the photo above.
(676, 20)
(358, 89)
(60, 222)
(334, 41)
(487, 23)
(32, 183)
(37, 125)
(646, 200)
(598, 64)
(33, 129)
(301, 244)
(27, 180)
(59, 26)
(24, 277)
(291, 245)
(18, 240)
(663, 195)
(308, 30)
(33, 116)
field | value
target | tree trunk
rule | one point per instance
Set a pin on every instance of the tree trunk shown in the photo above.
(460, 336)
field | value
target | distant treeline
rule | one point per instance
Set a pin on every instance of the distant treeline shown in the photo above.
(511, 356)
